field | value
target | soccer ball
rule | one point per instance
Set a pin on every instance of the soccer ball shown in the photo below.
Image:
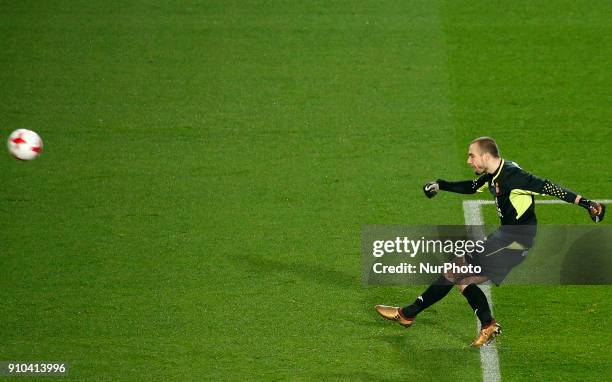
(25, 144)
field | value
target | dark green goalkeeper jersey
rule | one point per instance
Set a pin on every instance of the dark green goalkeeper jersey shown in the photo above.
(513, 189)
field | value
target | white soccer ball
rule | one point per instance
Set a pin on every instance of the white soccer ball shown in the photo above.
(25, 144)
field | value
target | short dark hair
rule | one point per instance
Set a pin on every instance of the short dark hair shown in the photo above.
(487, 145)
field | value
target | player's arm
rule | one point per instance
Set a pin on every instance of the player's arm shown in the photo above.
(596, 210)
(522, 180)
(460, 187)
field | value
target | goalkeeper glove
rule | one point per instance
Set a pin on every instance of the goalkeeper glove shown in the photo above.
(431, 189)
(596, 210)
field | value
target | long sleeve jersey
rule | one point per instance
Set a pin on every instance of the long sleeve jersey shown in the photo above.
(513, 189)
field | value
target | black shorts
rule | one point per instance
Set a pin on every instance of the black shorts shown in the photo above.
(502, 252)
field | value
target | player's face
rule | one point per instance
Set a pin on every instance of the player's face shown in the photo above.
(476, 159)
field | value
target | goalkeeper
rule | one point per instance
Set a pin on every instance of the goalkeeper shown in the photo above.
(513, 189)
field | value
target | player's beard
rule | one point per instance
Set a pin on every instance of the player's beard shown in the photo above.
(478, 171)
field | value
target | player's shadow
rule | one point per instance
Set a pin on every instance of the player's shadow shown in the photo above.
(356, 376)
(423, 350)
(455, 339)
(589, 260)
(316, 273)
(411, 357)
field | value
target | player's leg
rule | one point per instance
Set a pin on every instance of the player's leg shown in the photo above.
(495, 261)
(489, 328)
(499, 256)
(476, 298)
(435, 292)
(405, 316)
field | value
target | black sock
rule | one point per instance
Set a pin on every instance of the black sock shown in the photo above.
(478, 301)
(434, 293)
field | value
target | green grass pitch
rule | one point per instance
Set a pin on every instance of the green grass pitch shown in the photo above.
(208, 165)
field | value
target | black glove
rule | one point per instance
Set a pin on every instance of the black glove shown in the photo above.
(431, 189)
(596, 210)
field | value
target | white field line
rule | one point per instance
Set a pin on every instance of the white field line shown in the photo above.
(472, 212)
(489, 360)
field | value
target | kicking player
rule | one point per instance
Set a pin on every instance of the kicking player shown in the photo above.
(513, 189)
